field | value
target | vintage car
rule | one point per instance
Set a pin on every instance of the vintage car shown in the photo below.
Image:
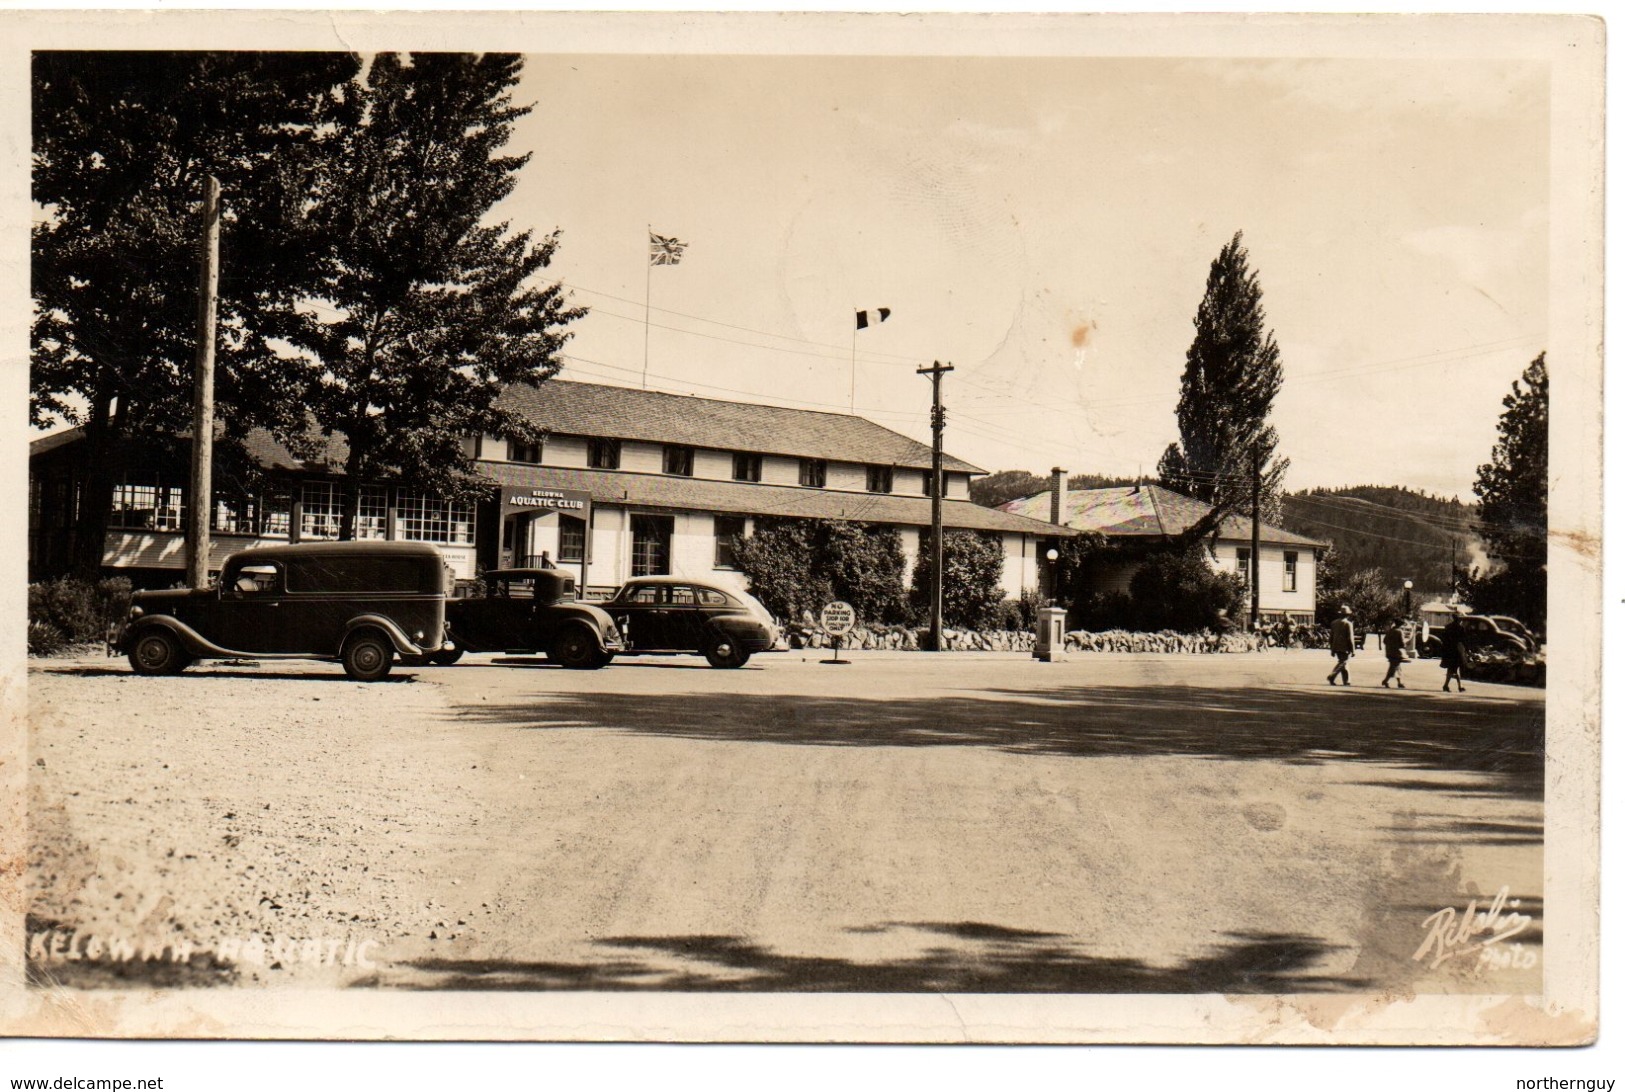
(1486, 633)
(675, 614)
(362, 603)
(529, 610)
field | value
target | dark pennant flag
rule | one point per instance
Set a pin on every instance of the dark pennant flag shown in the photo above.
(884, 313)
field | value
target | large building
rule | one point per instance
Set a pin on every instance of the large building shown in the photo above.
(626, 483)
(1149, 514)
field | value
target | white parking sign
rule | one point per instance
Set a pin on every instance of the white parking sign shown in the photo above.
(838, 618)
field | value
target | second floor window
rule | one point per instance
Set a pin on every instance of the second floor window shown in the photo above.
(880, 479)
(604, 454)
(926, 483)
(679, 460)
(813, 472)
(1289, 570)
(747, 467)
(521, 451)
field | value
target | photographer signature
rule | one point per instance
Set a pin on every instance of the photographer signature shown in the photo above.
(1474, 930)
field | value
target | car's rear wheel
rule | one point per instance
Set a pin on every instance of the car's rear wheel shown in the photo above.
(157, 652)
(723, 651)
(368, 656)
(577, 649)
(446, 657)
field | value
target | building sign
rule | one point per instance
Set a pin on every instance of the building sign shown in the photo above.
(540, 502)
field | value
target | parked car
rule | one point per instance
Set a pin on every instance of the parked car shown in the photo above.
(530, 610)
(1488, 633)
(362, 603)
(675, 614)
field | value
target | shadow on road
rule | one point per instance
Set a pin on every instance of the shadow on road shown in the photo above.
(984, 959)
(1501, 739)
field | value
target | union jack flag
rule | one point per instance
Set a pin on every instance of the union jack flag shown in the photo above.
(665, 250)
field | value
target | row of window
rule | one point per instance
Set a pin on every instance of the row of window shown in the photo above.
(1289, 568)
(678, 460)
(419, 518)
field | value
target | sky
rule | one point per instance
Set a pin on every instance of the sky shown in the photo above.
(1046, 225)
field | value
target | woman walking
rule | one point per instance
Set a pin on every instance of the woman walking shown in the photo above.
(1451, 654)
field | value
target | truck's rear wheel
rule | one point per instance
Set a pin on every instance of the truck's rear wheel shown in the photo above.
(368, 656)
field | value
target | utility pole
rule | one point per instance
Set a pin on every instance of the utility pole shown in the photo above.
(202, 506)
(1258, 488)
(939, 417)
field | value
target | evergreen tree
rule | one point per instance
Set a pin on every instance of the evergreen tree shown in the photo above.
(122, 146)
(1511, 490)
(1232, 375)
(425, 310)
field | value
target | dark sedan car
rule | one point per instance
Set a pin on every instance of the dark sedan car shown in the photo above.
(530, 610)
(676, 614)
(1492, 633)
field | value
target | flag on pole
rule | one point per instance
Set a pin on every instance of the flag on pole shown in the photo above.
(665, 250)
(882, 313)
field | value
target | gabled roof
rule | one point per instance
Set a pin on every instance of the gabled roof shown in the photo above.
(1130, 511)
(663, 491)
(592, 409)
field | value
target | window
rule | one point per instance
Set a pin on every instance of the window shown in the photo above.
(813, 472)
(711, 598)
(604, 454)
(880, 479)
(572, 539)
(429, 519)
(678, 460)
(1289, 574)
(747, 467)
(682, 596)
(148, 507)
(651, 545)
(925, 483)
(323, 508)
(373, 518)
(727, 529)
(1244, 558)
(521, 451)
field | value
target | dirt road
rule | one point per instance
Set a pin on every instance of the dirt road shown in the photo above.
(961, 822)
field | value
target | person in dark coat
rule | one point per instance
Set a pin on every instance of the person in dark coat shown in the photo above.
(1342, 641)
(1393, 646)
(1452, 651)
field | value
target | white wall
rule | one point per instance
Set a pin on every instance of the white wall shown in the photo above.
(1271, 574)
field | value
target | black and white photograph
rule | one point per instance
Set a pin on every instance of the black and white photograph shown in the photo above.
(1004, 529)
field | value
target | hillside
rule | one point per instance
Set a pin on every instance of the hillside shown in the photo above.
(1404, 533)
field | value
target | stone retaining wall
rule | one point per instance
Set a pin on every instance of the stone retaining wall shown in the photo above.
(962, 640)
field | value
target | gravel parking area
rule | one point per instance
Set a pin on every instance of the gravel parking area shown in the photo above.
(909, 822)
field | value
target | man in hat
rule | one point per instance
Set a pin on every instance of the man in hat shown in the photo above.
(1342, 645)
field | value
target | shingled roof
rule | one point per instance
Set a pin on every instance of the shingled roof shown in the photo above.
(663, 491)
(1130, 511)
(592, 409)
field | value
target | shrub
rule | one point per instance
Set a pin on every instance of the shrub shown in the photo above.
(795, 566)
(73, 608)
(972, 565)
(44, 639)
(1183, 592)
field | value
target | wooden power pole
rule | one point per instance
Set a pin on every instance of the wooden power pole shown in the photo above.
(202, 491)
(939, 418)
(1256, 567)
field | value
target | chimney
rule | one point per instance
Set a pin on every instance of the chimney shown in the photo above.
(1057, 494)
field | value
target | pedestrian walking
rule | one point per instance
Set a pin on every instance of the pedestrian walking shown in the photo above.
(1452, 651)
(1342, 645)
(1393, 645)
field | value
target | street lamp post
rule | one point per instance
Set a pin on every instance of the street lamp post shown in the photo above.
(1407, 600)
(1052, 555)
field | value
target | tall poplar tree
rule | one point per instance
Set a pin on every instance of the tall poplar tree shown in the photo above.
(122, 144)
(1232, 375)
(1511, 490)
(426, 309)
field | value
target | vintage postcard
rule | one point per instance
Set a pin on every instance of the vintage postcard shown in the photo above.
(811, 528)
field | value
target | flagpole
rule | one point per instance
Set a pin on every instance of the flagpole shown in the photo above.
(648, 267)
(852, 404)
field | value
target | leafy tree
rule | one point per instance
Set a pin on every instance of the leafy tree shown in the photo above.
(972, 566)
(425, 310)
(1181, 590)
(1232, 375)
(1371, 597)
(1511, 489)
(122, 146)
(796, 566)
